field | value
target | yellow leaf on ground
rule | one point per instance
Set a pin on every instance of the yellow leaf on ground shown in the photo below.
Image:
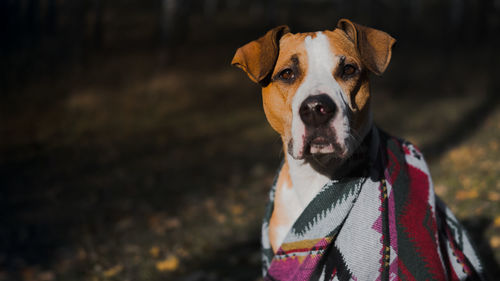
(113, 271)
(440, 189)
(169, 264)
(154, 251)
(466, 194)
(495, 241)
(220, 218)
(497, 221)
(237, 209)
(493, 196)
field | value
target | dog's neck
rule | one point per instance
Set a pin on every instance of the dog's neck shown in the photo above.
(309, 175)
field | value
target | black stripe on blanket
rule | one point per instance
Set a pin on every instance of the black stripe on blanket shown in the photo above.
(332, 263)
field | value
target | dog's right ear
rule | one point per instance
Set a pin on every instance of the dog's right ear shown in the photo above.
(258, 57)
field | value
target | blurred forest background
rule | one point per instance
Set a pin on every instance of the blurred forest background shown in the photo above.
(131, 150)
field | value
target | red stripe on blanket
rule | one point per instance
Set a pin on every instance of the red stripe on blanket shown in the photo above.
(406, 275)
(393, 167)
(420, 224)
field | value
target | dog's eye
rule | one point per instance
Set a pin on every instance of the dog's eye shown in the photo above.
(348, 70)
(287, 74)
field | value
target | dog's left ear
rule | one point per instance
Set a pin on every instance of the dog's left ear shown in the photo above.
(258, 57)
(374, 46)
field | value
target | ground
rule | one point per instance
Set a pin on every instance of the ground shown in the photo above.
(123, 167)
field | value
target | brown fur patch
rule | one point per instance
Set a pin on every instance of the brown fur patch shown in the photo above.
(278, 95)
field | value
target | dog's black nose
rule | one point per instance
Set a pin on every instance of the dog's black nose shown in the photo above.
(317, 110)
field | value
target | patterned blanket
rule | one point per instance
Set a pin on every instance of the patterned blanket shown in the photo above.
(388, 225)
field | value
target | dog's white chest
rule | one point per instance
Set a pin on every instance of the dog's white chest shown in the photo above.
(291, 198)
(306, 181)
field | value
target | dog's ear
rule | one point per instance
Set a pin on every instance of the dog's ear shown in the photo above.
(258, 57)
(374, 46)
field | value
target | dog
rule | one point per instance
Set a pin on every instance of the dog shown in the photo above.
(350, 202)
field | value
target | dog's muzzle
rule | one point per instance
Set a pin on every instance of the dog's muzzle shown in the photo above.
(317, 112)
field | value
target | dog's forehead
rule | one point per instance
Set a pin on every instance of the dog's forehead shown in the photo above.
(294, 44)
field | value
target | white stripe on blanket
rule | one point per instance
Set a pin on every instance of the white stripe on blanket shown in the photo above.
(359, 237)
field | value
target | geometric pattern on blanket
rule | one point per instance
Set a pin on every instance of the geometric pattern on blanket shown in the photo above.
(386, 226)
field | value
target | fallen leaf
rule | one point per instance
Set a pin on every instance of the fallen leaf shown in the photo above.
(495, 241)
(493, 196)
(464, 156)
(497, 221)
(220, 218)
(237, 209)
(466, 194)
(154, 251)
(440, 189)
(113, 271)
(171, 263)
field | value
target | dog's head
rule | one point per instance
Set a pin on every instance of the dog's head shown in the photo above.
(315, 86)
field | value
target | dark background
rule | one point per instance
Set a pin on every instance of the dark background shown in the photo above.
(131, 150)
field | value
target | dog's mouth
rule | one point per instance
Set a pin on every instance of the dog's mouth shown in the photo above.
(320, 145)
(319, 142)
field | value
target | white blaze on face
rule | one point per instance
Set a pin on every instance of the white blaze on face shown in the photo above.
(319, 79)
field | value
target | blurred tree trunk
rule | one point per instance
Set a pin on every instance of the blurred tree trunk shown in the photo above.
(365, 11)
(32, 23)
(174, 26)
(52, 18)
(210, 7)
(167, 20)
(98, 23)
(5, 26)
(293, 13)
(271, 13)
(455, 24)
(75, 32)
(485, 10)
(404, 16)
